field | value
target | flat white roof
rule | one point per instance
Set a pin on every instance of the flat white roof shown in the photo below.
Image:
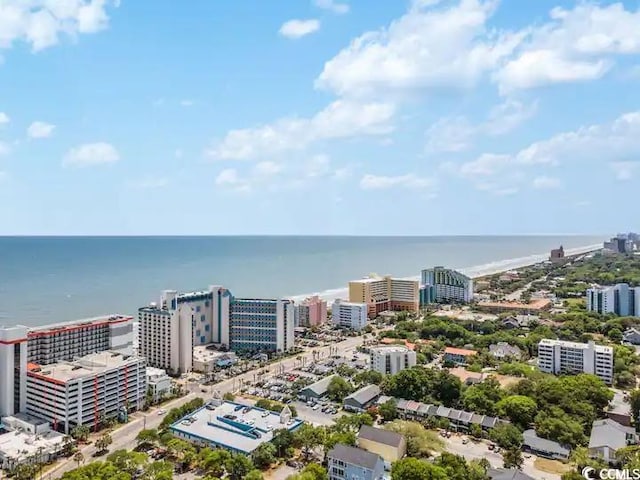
(576, 345)
(20, 445)
(231, 425)
(88, 365)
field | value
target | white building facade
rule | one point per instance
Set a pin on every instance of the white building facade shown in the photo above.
(13, 369)
(349, 314)
(562, 357)
(158, 383)
(391, 359)
(620, 299)
(84, 392)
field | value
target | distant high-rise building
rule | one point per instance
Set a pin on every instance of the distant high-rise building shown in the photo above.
(443, 285)
(349, 315)
(311, 312)
(620, 299)
(561, 357)
(623, 243)
(385, 294)
(13, 369)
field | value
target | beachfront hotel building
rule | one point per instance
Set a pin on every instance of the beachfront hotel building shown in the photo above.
(391, 359)
(385, 294)
(85, 391)
(620, 299)
(443, 285)
(69, 340)
(311, 312)
(13, 369)
(349, 315)
(562, 357)
(169, 330)
(261, 325)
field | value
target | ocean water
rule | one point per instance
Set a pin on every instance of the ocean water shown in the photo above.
(52, 279)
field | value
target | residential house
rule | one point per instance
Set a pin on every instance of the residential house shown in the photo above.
(348, 463)
(619, 408)
(502, 350)
(389, 445)
(507, 474)
(608, 437)
(458, 356)
(519, 321)
(316, 390)
(632, 336)
(543, 447)
(362, 399)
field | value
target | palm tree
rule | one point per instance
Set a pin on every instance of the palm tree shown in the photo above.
(78, 458)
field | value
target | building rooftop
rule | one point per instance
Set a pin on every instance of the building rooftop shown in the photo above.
(77, 324)
(609, 433)
(89, 365)
(204, 353)
(507, 474)
(379, 435)
(21, 445)
(354, 456)
(537, 304)
(365, 394)
(577, 345)
(391, 348)
(320, 387)
(533, 441)
(231, 425)
(459, 351)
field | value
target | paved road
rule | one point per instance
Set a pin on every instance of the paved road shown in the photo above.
(124, 437)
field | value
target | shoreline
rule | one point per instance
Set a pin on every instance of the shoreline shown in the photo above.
(475, 272)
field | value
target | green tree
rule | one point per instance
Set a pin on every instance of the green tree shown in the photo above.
(148, 437)
(482, 397)
(264, 455)
(519, 409)
(238, 467)
(213, 461)
(557, 425)
(414, 469)
(368, 377)
(254, 475)
(389, 410)
(126, 461)
(78, 457)
(309, 437)
(80, 433)
(230, 397)
(283, 440)
(512, 458)
(421, 443)
(25, 471)
(475, 430)
(506, 436)
(102, 443)
(338, 389)
(158, 471)
(634, 401)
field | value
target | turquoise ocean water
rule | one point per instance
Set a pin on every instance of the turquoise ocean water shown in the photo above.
(51, 279)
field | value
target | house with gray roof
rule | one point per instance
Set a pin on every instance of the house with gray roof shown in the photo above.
(391, 446)
(346, 463)
(362, 399)
(507, 474)
(502, 350)
(619, 408)
(607, 437)
(543, 447)
(632, 336)
(316, 390)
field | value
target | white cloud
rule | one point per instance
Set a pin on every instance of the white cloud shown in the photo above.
(4, 149)
(497, 188)
(340, 119)
(178, 153)
(333, 6)
(91, 154)
(410, 180)
(41, 22)
(546, 183)
(186, 103)
(425, 48)
(40, 130)
(318, 166)
(230, 180)
(575, 45)
(150, 182)
(625, 170)
(485, 165)
(457, 133)
(4, 118)
(266, 169)
(299, 28)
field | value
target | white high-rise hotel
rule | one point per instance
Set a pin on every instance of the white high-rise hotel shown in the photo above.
(443, 285)
(561, 357)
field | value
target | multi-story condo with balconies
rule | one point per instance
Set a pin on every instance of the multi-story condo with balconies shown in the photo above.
(443, 285)
(391, 359)
(261, 325)
(69, 340)
(87, 390)
(385, 294)
(311, 312)
(562, 357)
(620, 299)
(13, 369)
(349, 315)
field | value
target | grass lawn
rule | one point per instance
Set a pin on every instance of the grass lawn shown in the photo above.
(576, 303)
(551, 466)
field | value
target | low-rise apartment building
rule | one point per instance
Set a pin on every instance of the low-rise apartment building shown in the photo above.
(83, 392)
(458, 356)
(348, 463)
(562, 357)
(385, 294)
(391, 359)
(350, 315)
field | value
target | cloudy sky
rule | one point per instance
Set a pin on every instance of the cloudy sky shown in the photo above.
(319, 116)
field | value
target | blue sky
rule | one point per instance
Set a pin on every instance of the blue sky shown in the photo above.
(319, 117)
